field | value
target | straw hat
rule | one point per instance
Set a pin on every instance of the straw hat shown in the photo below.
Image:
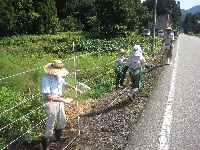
(56, 68)
(122, 51)
(169, 28)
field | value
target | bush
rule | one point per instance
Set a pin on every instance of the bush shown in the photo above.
(19, 116)
(71, 24)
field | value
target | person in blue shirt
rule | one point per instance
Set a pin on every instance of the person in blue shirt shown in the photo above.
(119, 68)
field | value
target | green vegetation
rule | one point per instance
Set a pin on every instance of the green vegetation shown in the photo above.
(99, 28)
(22, 54)
(110, 18)
(21, 66)
(190, 23)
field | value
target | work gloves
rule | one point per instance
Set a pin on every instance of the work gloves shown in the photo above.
(167, 46)
(67, 101)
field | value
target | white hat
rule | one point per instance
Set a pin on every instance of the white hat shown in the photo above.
(137, 53)
(56, 68)
(137, 48)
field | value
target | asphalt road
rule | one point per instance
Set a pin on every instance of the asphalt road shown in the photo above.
(171, 118)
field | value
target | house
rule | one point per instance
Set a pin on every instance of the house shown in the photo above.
(162, 22)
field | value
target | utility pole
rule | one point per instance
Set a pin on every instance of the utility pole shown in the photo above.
(170, 15)
(154, 23)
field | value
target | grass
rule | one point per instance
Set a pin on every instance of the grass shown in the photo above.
(90, 61)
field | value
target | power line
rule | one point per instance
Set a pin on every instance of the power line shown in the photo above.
(165, 6)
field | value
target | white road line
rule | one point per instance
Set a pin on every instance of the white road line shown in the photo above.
(166, 126)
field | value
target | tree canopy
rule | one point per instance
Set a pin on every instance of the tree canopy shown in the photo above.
(191, 23)
(110, 17)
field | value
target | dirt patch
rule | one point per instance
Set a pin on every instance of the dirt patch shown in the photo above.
(75, 109)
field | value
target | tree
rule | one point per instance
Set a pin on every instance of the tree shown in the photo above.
(61, 6)
(190, 23)
(26, 16)
(110, 17)
(110, 13)
(34, 16)
(47, 21)
(116, 17)
(8, 18)
(176, 15)
(140, 16)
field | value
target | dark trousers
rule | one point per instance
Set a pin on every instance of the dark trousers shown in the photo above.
(124, 72)
(119, 79)
(135, 80)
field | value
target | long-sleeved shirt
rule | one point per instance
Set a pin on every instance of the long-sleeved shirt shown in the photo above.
(136, 60)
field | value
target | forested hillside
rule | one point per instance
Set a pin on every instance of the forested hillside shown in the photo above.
(190, 23)
(110, 17)
(192, 10)
(190, 19)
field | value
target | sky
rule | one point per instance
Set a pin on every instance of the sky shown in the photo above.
(186, 4)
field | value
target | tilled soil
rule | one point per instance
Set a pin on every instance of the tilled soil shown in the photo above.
(106, 123)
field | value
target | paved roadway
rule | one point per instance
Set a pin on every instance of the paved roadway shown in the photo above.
(171, 118)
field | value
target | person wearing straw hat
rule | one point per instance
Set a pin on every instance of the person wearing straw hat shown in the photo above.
(168, 44)
(119, 68)
(51, 87)
(135, 63)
